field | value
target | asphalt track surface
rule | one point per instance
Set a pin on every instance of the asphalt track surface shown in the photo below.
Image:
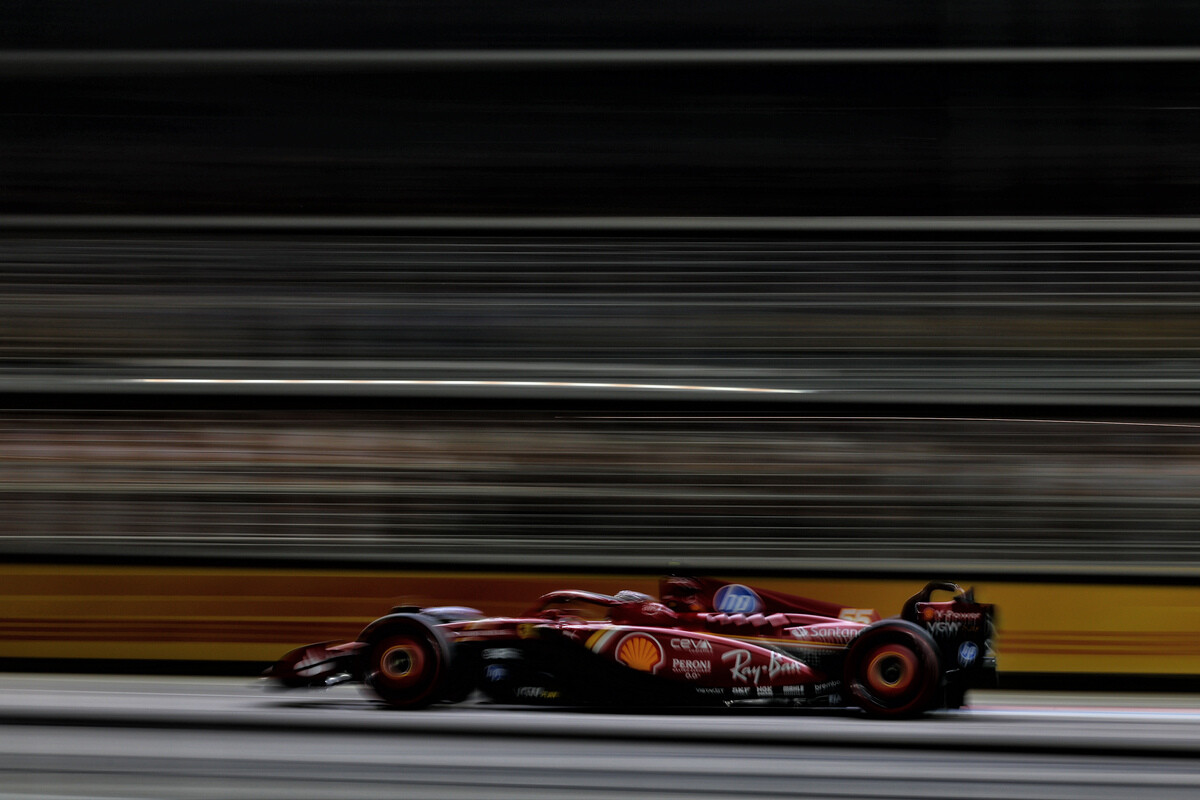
(105, 737)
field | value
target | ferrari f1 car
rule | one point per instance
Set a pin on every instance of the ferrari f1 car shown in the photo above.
(703, 641)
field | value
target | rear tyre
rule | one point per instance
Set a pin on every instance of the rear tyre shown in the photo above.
(893, 670)
(407, 665)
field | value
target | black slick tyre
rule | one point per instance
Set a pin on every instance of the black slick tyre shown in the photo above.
(893, 670)
(407, 664)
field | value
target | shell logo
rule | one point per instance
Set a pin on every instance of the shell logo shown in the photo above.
(639, 651)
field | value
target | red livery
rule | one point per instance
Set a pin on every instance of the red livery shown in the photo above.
(701, 641)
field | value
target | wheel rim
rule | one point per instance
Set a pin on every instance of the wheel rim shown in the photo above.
(891, 671)
(402, 662)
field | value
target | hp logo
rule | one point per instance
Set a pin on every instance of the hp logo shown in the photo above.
(736, 599)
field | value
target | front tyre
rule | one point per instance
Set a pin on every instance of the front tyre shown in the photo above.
(893, 670)
(406, 665)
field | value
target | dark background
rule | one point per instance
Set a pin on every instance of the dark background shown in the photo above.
(919, 133)
(274, 24)
(988, 397)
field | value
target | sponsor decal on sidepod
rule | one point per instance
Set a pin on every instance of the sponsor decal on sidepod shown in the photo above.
(691, 668)
(742, 667)
(692, 645)
(831, 635)
(641, 652)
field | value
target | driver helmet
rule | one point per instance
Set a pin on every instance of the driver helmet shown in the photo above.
(682, 594)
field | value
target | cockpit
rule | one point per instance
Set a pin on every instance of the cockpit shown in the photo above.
(627, 607)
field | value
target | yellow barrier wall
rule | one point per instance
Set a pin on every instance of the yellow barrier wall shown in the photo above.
(257, 614)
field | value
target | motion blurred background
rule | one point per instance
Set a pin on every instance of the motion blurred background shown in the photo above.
(308, 306)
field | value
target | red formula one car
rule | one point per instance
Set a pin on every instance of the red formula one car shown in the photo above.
(702, 641)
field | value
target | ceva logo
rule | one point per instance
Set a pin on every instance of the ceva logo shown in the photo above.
(737, 599)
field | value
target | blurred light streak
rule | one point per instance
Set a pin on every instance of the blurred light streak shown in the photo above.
(499, 383)
(20, 62)
(613, 223)
(685, 418)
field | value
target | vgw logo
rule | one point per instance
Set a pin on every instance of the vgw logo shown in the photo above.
(736, 599)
